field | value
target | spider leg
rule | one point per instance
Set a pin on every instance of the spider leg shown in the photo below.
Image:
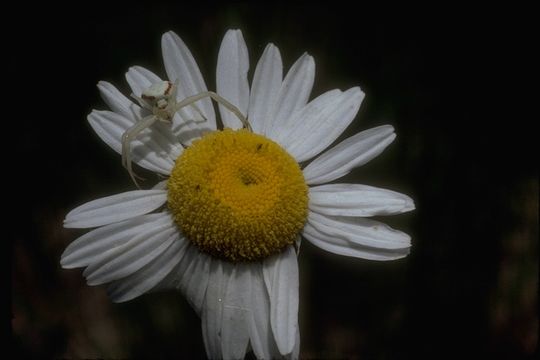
(196, 108)
(192, 99)
(142, 102)
(128, 137)
(193, 105)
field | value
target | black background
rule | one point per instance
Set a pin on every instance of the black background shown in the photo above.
(451, 81)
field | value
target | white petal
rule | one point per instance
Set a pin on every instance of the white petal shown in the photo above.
(194, 280)
(115, 208)
(93, 246)
(350, 153)
(148, 276)
(162, 185)
(174, 279)
(118, 102)
(357, 200)
(316, 127)
(265, 88)
(294, 93)
(281, 279)
(321, 106)
(236, 313)
(360, 231)
(295, 354)
(212, 313)
(342, 247)
(126, 259)
(260, 332)
(180, 65)
(231, 76)
(151, 150)
(140, 79)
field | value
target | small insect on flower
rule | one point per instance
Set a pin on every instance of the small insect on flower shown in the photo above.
(161, 99)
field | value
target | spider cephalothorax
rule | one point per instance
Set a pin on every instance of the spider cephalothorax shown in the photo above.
(160, 98)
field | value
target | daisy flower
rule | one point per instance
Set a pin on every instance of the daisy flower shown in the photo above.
(225, 226)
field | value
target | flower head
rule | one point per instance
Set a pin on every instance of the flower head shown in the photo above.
(224, 226)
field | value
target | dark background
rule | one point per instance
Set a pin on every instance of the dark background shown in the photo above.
(449, 80)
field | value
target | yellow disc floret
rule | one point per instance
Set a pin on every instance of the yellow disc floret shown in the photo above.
(238, 195)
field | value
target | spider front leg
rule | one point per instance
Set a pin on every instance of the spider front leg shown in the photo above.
(220, 100)
(128, 137)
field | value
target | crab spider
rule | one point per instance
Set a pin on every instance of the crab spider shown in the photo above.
(160, 99)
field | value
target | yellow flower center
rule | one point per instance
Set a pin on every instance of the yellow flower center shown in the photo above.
(238, 195)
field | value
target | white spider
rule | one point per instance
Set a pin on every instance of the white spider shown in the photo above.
(160, 99)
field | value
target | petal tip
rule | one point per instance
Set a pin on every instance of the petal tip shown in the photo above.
(409, 204)
(308, 58)
(360, 92)
(406, 241)
(233, 33)
(65, 262)
(91, 282)
(169, 33)
(93, 279)
(170, 38)
(385, 130)
(90, 116)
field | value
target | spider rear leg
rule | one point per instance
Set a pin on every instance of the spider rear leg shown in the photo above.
(128, 137)
(220, 100)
